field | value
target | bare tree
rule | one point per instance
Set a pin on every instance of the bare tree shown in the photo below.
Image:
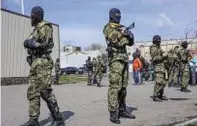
(94, 46)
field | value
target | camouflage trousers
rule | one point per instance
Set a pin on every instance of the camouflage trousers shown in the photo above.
(185, 76)
(39, 80)
(160, 83)
(173, 76)
(118, 79)
(89, 77)
(99, 77)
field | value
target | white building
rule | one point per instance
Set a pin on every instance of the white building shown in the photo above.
(73, 56)
(15, 29)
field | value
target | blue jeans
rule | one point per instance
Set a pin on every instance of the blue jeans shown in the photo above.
(136, 76)
(193, 75)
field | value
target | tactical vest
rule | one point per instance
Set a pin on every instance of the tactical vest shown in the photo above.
(120, 37)
(49, 46)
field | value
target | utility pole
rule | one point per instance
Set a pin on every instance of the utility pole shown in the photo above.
(22, 7)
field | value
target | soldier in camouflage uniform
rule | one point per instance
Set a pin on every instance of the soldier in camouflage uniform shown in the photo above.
(173, 67)
(184, 57)
(94, 62)
(39, 46)
(158, 61)
(57, 71)
(117, 38)
(99, 70)
(89, 66)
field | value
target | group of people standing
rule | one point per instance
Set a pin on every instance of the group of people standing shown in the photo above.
(168, 65)
(39, 45)
(95, 71)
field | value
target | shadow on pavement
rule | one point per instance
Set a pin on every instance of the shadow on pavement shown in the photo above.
(179, 99)
(176, 99)
(131, 109)
(66, 115)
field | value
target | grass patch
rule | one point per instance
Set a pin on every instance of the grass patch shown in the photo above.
(72, 79)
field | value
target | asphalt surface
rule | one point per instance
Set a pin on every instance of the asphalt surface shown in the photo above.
(83, 105)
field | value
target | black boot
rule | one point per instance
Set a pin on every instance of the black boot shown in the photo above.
(98, 85)
(185, 90)
(51, 101)
(123, 107)
(124, 113)
(56, 115)
(163, 98)
(156, 99)
(114, 117)
(32, 122)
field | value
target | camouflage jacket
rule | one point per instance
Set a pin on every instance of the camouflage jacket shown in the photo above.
(173, 58)
(43, 34)
(183, 57)
(100, 66)
(94, 62)
(117, 41)
(157, 58)
(89, 65)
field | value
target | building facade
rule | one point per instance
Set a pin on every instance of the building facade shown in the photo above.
(15, 29)
(73, 56)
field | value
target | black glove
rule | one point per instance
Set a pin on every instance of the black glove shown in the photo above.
(131, 38)
(30, 43)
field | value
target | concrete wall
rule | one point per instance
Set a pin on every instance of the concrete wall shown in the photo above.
(15, 28)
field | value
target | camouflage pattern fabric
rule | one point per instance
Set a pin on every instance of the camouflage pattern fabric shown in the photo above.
(89, 77)
(99, 71)
(57, 73)
(183, 56)
(40, 71)
(157, 58)
(118, 68)
(94, 62)
(173, 67)
(89, 66)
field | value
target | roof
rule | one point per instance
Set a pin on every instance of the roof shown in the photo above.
(26, 16)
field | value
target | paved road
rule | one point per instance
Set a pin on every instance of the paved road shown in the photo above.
(87, 106)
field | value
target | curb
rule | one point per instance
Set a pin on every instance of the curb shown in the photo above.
(187, 122)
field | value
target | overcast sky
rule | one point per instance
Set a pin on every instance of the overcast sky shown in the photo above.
(81, 21)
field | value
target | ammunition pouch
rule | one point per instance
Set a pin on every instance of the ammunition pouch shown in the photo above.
(37, 53)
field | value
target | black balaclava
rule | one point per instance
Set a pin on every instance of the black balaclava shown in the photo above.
(184, 44)
(157, 40)
(114, 15)
(37, 14)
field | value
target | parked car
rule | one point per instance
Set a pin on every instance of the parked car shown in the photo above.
(69, 70)
(82, 70)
